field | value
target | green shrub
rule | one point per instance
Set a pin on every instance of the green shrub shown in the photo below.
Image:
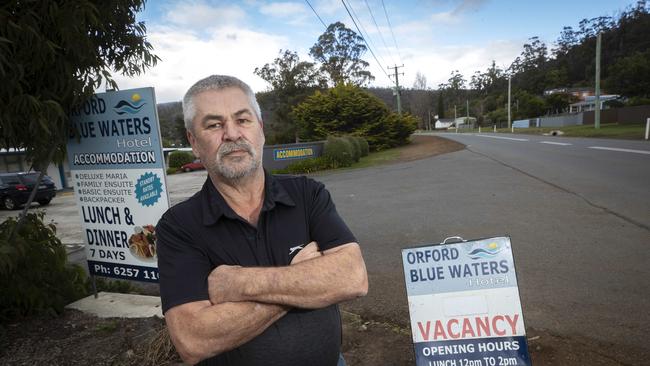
(171, 170)
(306, 166)
(350, 110)
(339, 150)
(180, 158)
(35, 277)
(394, 131)
(356, 148)
(363, 144)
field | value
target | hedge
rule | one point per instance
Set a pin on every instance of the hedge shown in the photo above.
(180, 158)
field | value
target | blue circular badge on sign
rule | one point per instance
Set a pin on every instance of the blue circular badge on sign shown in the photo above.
(148, 189)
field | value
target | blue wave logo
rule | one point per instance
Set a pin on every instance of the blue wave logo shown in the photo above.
(130, 107)
(490, 251)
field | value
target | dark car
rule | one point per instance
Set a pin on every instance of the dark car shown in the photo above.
(195, 165)
(15, 189)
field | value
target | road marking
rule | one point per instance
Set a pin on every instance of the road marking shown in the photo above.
(504, 138)
(555, 143)
(647, 152)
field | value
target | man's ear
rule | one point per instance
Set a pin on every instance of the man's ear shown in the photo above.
(192, 141)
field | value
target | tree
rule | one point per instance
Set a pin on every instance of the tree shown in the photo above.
(53, 56)
(559, 102)
(630, 76)
(421, 100)
(420, 82)
(348, 109)
(441, 106)
(339, 52)
(289, 74)
(454, 88)
(292, 81)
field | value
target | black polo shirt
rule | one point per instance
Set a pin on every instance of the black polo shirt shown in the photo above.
(203, 232)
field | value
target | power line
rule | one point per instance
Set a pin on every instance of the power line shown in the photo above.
(317, 16)
(364, 39)
(379, 31)
(363, 30)
(391, 30)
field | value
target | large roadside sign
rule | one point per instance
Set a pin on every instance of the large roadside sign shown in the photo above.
(464, 304)
(118, 173)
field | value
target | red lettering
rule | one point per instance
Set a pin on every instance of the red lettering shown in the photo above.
(483, 324)
(425, 333)
(468, 331)
(513, 323)
(499, 325)
(439, 331)
(494, 325)
(451, 332)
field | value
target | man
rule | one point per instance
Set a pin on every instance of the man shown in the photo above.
(252, 266)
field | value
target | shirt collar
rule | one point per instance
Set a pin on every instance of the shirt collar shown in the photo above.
(214, 205)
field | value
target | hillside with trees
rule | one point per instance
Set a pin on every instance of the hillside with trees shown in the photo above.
(625, 70)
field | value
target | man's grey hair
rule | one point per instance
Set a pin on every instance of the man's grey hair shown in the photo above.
(216, 82)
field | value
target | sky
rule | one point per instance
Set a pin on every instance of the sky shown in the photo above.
(198, 38)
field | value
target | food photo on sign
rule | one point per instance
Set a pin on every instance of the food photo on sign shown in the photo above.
(142, 243)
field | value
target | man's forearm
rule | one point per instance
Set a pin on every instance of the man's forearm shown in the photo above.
(201, 330)
(315, 283)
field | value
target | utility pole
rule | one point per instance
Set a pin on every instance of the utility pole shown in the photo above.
(397, 92)
(509, 90)
(597, 110)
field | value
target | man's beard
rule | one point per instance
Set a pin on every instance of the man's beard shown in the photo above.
(236, 168)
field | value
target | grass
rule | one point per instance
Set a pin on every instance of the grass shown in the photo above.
(607, 130)
(108, 327)
(376, 158)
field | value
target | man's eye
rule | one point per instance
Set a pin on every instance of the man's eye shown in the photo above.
(214, 125)
(243, 120)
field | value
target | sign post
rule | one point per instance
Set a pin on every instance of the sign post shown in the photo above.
(118, 173)
(464, 304)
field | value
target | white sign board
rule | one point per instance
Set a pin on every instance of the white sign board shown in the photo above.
(118, 172)
(464, 304)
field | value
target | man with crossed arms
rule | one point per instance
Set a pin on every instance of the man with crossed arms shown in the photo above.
(252, 267)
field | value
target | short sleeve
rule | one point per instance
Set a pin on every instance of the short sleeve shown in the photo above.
(326, 227)
(183, 268)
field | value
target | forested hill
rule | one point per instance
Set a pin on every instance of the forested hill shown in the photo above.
(625, 70)
(625, 58)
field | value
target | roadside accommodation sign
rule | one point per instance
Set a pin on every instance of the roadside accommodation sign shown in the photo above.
(118, 172)
(464, 304)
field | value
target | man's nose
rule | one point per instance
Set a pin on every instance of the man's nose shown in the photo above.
(231, 131)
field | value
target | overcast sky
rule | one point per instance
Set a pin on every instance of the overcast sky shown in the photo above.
(195, 39)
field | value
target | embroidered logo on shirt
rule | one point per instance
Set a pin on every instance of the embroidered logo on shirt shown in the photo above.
(293, 249)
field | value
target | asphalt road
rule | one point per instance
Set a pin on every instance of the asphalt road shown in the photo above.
(611, 174)
(580, 236)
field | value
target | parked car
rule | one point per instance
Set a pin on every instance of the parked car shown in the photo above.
(195, 165)
(15, 189)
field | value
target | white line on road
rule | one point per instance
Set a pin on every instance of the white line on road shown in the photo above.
(504, 138)
(647, 152)
(555, 143)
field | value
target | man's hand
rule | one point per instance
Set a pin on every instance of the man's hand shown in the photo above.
(224, 284)
(310, 251)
